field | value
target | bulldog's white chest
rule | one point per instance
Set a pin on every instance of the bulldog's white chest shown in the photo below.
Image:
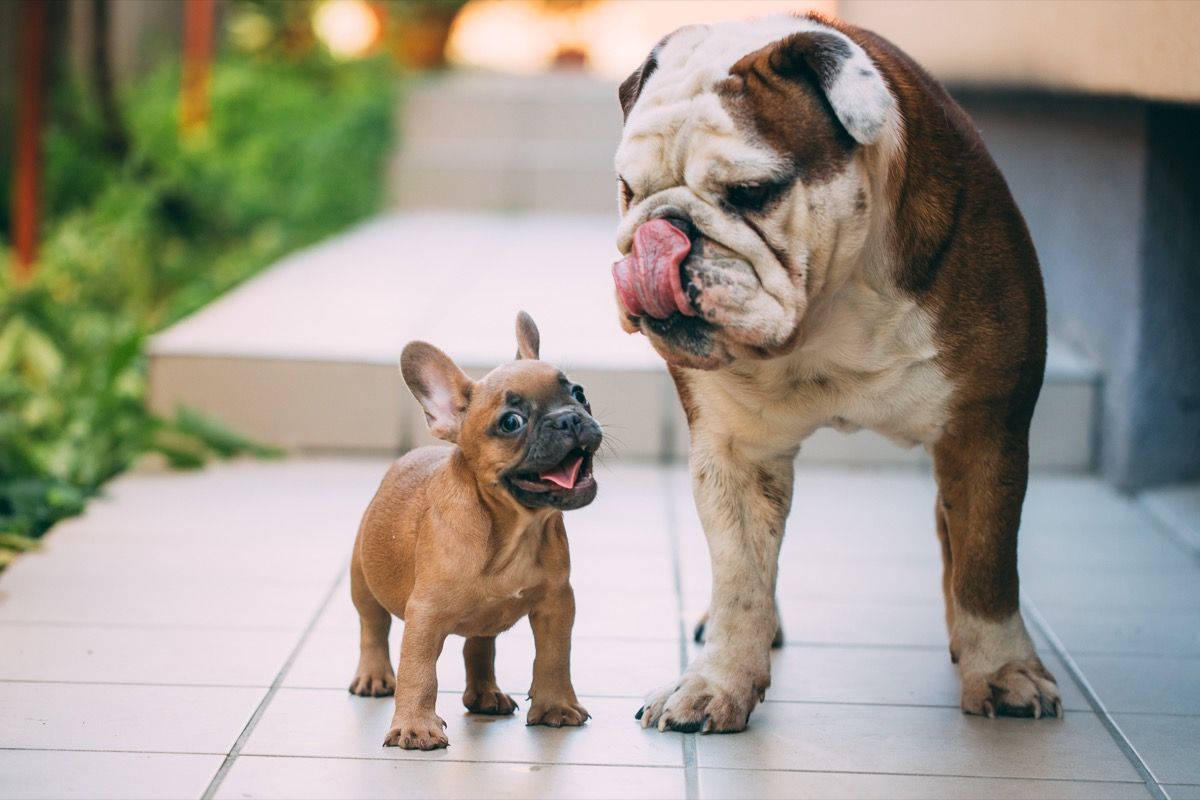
(867, 361)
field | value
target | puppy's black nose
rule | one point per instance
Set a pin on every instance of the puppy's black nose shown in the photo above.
(567, 422)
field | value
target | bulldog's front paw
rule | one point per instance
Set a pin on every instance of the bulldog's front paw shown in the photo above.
(706, 699)
(557, 713)
(1018, 689)
(421, 732)
(488, 700)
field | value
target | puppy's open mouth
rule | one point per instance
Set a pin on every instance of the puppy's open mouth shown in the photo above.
(571, 474)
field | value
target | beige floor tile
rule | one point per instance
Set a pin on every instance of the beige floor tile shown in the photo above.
(888, 676)
(1159, 588)
(1169, 745)
(919, 741)
(617, 668)
(719, 784)
(1117, 631)
(143, 655)
(1153, 685)
(330, 723)
(881, 623)
(153, 601)
(328, 779)
(153, 719)
(59, 775)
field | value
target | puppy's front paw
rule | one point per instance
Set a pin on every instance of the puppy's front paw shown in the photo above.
(557, 713)
(1018, 689)
(373, 680)
(488, 701)
(423, 732)
(705, 699)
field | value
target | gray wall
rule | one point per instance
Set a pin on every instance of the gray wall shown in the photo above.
(1105, 187)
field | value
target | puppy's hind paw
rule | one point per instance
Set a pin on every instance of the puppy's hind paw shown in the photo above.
(557, 714)
(373, 684)
(489, 701)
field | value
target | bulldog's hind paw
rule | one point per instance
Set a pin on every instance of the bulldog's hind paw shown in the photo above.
(1018, 689)
(488, 700)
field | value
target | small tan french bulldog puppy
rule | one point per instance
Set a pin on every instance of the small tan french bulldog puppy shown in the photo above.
(469, 539)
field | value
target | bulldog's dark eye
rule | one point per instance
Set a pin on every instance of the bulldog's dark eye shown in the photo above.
(511, 422)
(626, 192)
(580, 397)
(752, 196)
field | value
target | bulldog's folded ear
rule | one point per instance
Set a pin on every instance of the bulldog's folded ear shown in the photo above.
(529, 341)
(631, 88)
(442, 389)
(856, 90)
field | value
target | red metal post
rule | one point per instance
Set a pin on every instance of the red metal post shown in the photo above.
(26, 188)
(198, 24)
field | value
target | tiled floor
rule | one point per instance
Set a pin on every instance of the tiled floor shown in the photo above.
(192, 636)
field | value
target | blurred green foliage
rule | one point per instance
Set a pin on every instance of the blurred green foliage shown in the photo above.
(294, 151)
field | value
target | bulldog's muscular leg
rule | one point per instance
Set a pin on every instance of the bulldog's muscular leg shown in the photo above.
(982, 470)
(743, 499)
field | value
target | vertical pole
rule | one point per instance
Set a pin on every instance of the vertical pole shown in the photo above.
(198, 23)
(26, 194)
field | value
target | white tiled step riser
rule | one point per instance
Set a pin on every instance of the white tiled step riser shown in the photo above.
(316, 405)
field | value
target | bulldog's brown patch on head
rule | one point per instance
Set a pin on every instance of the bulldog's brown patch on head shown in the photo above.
(777, 98)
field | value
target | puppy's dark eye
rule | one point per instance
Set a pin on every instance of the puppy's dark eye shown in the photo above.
(511, 422)
(626, 192)
(752, 196)
(580, 397)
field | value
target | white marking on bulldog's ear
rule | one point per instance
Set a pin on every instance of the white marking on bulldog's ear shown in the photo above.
(442, 389)
(529, 341)
(856, 90)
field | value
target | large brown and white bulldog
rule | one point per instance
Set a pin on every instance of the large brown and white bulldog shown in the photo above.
(816, 236)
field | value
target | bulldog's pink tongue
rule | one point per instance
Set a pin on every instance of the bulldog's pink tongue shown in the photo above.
(648, 279)
(565, 473)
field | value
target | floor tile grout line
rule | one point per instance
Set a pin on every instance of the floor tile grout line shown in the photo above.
(691, 776)
(276, 684)
(1153, 785)
(390, 760)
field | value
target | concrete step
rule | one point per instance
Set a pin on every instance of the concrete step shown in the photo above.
(305, 355)
(484, 141)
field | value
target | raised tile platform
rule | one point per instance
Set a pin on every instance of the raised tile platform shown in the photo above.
(305, 355)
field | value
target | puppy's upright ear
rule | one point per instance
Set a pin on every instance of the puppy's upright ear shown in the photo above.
(529, 341)
(442, 389)
(849, 78)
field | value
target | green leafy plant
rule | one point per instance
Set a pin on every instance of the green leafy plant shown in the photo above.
(294, 151)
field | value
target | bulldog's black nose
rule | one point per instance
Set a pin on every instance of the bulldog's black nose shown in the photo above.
(678, 219)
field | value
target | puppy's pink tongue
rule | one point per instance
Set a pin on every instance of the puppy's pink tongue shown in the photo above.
(648, 279)
(565, 473)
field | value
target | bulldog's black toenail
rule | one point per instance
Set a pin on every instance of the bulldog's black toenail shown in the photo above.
(639, 713)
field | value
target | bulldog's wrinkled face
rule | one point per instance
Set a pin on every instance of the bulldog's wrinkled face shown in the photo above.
(742, 182)
(525, 430)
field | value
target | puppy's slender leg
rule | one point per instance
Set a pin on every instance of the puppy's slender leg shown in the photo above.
(374, 677)
(743, 496)
(483, 696)
(943, 532)
(552, 695)
(416, 725)
(982, 470)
